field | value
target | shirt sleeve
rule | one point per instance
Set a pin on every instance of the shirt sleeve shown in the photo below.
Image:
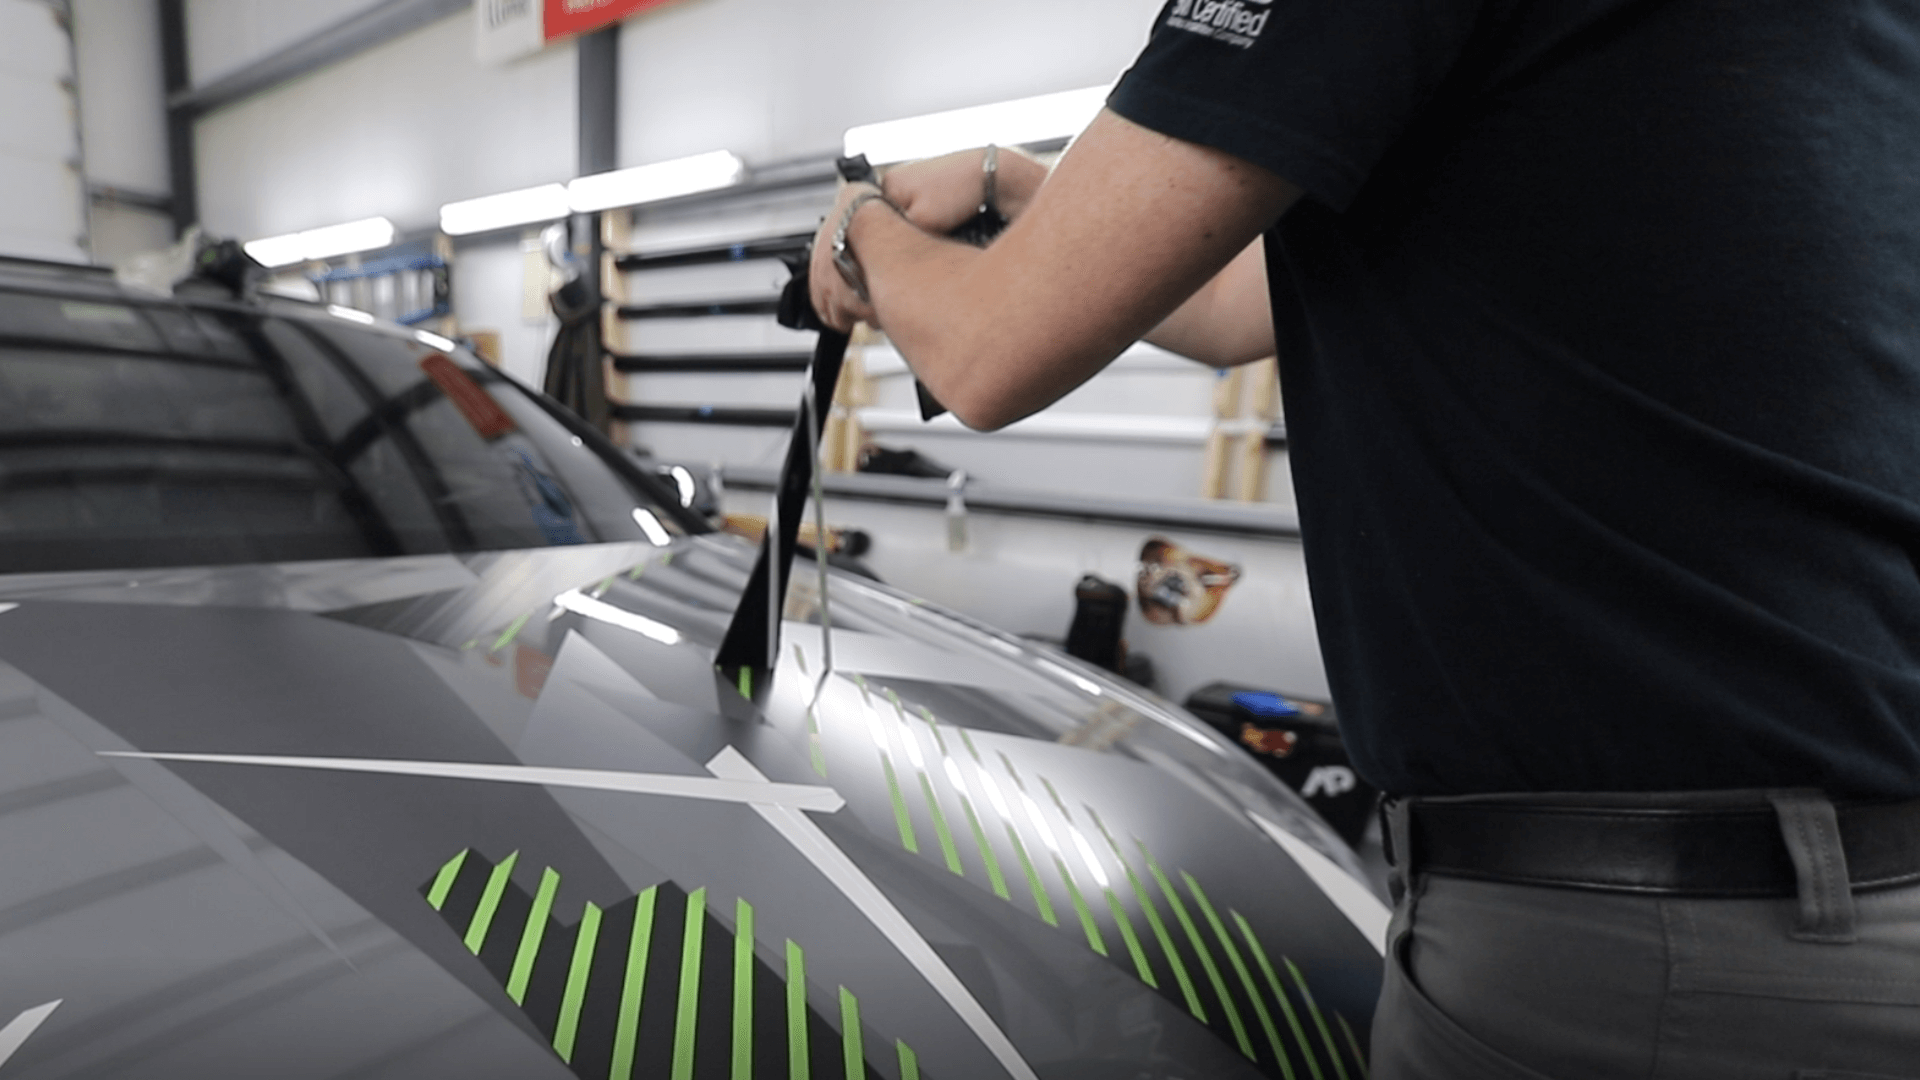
(1313, 90)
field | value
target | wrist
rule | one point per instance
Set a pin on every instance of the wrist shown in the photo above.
(846, 258)
(1019, 178)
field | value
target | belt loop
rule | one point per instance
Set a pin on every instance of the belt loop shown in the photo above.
(1396, 827)
(1811, 830)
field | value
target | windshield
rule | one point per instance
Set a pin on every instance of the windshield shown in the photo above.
(141, 435)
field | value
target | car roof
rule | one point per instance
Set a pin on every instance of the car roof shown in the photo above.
(49, 277)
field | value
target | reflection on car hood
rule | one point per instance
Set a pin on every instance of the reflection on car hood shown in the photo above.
(497, 815)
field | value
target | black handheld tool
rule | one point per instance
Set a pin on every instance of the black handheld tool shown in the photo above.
(751, 647)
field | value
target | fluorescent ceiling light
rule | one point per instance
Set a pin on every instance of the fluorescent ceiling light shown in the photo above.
(509, 208)
(324, 243)
(1008, 123)
(651, 183)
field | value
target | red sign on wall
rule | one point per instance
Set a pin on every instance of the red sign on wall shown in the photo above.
(565, 18)
(508, 29)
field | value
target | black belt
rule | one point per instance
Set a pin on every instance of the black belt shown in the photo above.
(1719, 851)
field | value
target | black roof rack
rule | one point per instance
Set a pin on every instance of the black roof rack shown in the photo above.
(54, 264)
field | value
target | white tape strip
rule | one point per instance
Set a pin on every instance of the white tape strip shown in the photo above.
(15, 1034)
(1357, 902)
(798, 796)
(827, 857)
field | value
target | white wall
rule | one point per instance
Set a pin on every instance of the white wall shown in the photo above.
(487, 282)
(123, 114)
(123, 121)
(41, 207)
(226, 35)
(777, 79)
(397, 130)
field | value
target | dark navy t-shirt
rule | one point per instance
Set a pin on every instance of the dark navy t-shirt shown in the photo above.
(1599, 332)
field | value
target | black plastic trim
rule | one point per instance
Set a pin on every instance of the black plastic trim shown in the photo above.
(705, 414)
(1238, 519)
(772, 247)
(710, 363)
(752, 306)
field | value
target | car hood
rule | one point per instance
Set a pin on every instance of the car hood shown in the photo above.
(497, 815)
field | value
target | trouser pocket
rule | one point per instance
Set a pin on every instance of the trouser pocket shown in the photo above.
(1414, 1040)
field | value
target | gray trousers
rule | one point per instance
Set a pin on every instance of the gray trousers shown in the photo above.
(1510, 982)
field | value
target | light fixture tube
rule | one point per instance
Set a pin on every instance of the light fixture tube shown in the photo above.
(323, 243)
(507, 209)
(1008, 123)
(652, 183)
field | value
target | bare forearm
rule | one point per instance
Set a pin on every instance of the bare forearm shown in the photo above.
(1229, 321)
(988, 343)
(1128, 227)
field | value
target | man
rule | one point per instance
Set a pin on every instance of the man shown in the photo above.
(1599, 329)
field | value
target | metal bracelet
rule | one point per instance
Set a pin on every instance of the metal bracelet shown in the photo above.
(989, 165)
(843, 258)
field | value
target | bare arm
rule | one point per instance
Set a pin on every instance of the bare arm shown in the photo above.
(1130, 225)
(1229, 321)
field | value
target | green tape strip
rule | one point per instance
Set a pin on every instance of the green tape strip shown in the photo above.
(1040, 898)
(1033, 878)
(530, 937)
(932, 725)
(1239, 965)
(851, 1050)
(1094, 939)
(626, 1033)
(742, 990)
(1199, 944)
(687, 1009)
(1326, 1036)
(1155, 923)
(814, 750)
(1138, 954)
(992, 861)
(512, 631)
(746, 683)
(600, 590)
(798, 1066)
(900, 816)
(489, 903)
(1359, 1059)
(909, 1062)
(568, 1029)
(940, 829)
(443, 881)
(1280, 995)
(994, 876)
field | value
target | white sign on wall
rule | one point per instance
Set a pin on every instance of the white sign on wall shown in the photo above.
(507, 29)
